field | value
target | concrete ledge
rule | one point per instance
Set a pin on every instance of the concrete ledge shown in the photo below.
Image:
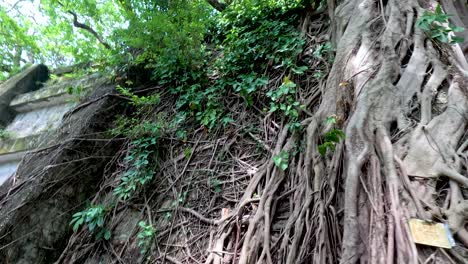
(55, 93)
(13, 145)
(26, 81)
(12, 157)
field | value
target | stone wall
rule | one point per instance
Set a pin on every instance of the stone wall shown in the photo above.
(26, 81)
(32, 109)
(53, 181)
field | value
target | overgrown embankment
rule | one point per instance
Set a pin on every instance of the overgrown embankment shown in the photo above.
(295, 134)
(196, 143)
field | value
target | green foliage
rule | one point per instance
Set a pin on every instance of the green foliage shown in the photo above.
(247, 84)
(175, 30)
(188, 153)
(75, 91)
(63, 44)
(43, 31)
(434, 24)
(136, 100)
(143, 151)
(140, 171)
(137, 126)
(145, 236)
(15, 42)
(200, 102)
(181, 197)
(93, 217)
(253, 37)
(250, 37)
(318, 74)
(283, 99)
(332, 137)
(249, 51)
(282, 160)
(249, 47)
(323, 50)
(4, 134)
(181, 135)
(216, 185)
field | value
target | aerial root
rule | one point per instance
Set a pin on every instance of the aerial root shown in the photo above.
(406, 250)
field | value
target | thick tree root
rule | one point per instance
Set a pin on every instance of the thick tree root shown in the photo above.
(402, 101)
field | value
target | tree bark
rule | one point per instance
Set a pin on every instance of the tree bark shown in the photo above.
(403, 101)
(77, 24)
(217, 5)
(85, 27)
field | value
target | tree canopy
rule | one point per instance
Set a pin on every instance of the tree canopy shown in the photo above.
(110, 32)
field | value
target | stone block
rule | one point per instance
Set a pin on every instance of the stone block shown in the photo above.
(26, 81)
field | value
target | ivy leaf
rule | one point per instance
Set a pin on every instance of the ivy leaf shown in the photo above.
(77, 224)
(423, 25)
(100, 221)
(443, 38)
(332, 136)
(91, 226)
(340, 133)
(438, 10)
(322, 149)
(330, 120)
(456, 39)
(299, 70)
(281, 160)
(456, 29)
(277, 160)
(187, 153)
(273, 108)
(284, 166)
(107, 234)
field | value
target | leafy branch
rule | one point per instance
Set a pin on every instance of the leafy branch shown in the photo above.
(332, 137)
(85, 27)
(434, 24)
(93, 217)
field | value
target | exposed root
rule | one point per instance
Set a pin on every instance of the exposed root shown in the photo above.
(353, 205)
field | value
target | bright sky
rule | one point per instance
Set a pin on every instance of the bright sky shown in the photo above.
(29, 8)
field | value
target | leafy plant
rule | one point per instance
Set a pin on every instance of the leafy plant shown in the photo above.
(181, 135)
(248, 84)
(187, 153)
(282, 160)
(139, 100)
(323, 50)
(145, 236)
(434, 24)
(283, 99)
(318, 75)
(4, 134)
(332, 137)
(255, 36)
(141, 157)
(75, 91)
(215, 184)
(93, 217)
(200, 102)
(140, 170)
(181, 198)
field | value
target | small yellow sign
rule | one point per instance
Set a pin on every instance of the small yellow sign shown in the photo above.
(431, 233)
